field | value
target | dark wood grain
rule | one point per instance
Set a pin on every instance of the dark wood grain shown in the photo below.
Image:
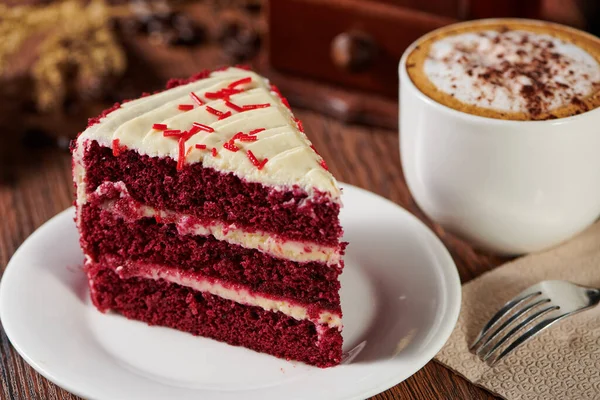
(362, 156)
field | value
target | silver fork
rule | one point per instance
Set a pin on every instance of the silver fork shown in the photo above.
(529, 313)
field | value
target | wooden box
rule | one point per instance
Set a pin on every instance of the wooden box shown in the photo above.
(358, 43)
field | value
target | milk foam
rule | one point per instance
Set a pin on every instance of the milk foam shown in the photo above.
(497, 70)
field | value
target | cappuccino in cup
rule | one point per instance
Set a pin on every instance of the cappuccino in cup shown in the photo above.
(500, 131)
(509, 69)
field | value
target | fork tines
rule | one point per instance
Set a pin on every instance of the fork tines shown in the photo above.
(532, 311)
(500, 335)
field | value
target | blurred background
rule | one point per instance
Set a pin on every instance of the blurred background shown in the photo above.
(62, 62)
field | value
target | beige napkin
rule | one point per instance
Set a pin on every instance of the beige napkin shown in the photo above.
(563, 362)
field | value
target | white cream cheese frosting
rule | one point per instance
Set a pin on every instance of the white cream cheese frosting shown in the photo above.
(290, 158)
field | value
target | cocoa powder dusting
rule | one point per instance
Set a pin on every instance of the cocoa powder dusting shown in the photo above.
(513, 72)
(538, 71)
(581, 105)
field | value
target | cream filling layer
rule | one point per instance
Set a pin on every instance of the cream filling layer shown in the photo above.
(297, 251)
(287, 249)
(236, 294)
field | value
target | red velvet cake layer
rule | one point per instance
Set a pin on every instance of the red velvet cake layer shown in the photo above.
(105, 236)
(157, 302)
(209, 194)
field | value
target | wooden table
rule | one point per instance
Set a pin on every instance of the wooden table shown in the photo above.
(358, 155)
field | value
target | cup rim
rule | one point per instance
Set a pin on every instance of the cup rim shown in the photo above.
(404, 78)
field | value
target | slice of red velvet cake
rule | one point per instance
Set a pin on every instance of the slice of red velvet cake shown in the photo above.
(206, 209)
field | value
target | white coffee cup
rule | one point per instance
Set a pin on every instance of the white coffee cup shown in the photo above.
(511, 187)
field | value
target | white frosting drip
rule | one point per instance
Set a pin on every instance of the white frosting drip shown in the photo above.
(452, 58)
(291, 160)
(237, 294)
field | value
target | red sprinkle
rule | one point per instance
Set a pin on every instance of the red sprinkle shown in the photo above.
(285, 102)
(224, 93)
(213, 95)
(220, 114)
(252, 158)
(201, 146)
(194, 129)
(231, 146)
(237, 136)
(196, 99)
(158, 218)
(299, 124)
(324, 165)
(242, 137)
(255, 131)
(203, 127)
(214, 151)
(240, 82)
(255, 106)
(159, 127)
(247, 107)
(172, 132)
(234, 106)
(185, 107)
(213, 111)
(181, 156)
(186, 135)
(262, 163)
(117, 148)
(276, 90)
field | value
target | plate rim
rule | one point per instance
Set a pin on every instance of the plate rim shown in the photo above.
(38, 368)
(450, 310)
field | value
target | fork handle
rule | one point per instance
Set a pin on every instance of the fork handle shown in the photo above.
(594, 295)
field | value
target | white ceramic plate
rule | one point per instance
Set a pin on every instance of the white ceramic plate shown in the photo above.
(400, 298)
